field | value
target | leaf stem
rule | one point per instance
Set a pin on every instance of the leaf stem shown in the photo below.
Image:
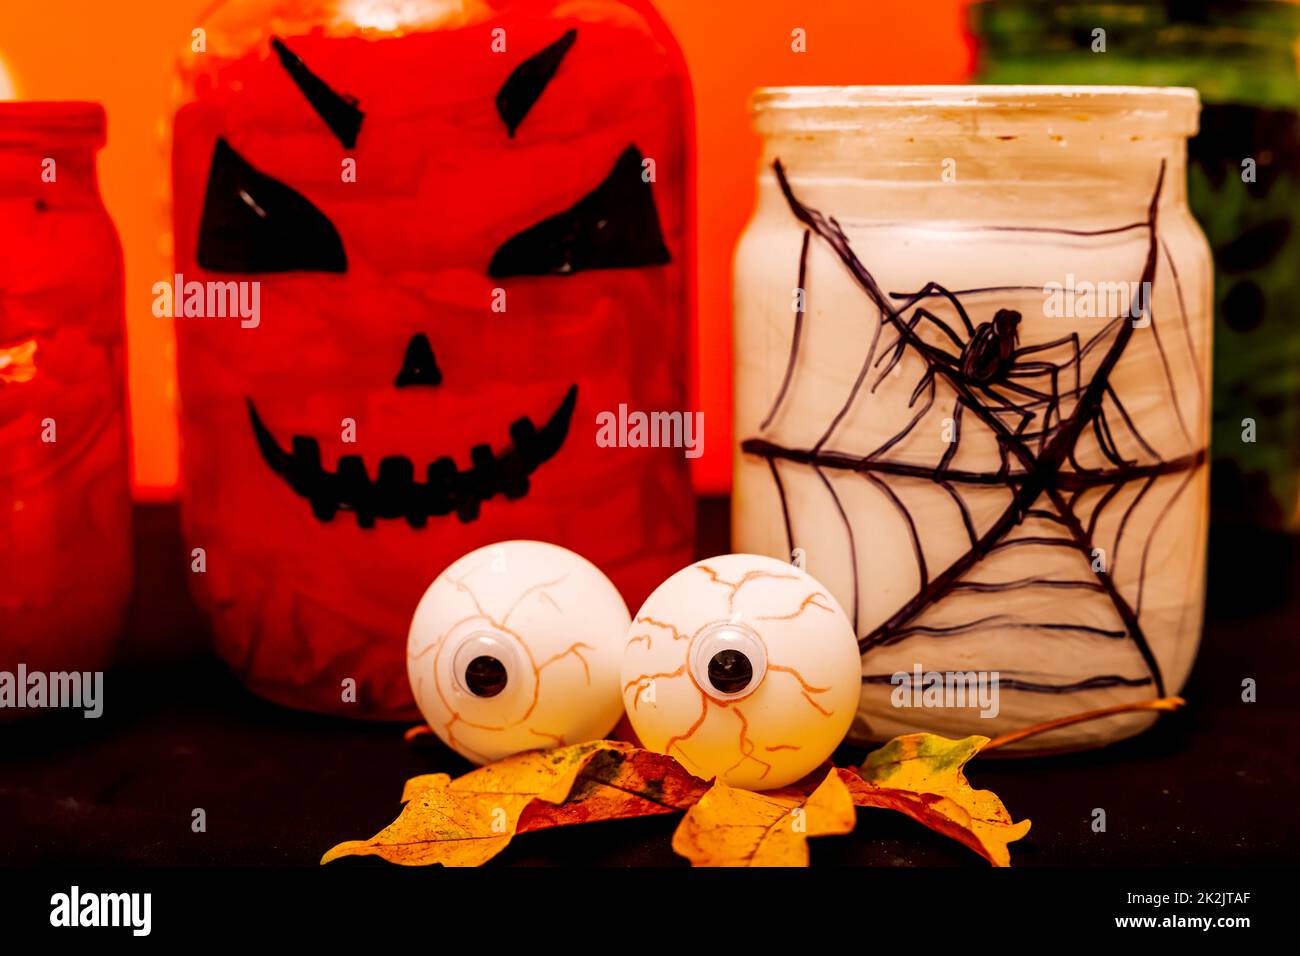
(1157, 703)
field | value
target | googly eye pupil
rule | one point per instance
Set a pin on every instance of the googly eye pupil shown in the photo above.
(485, 676)
(730, 671)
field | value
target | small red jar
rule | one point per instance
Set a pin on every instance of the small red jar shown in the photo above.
(65, 506)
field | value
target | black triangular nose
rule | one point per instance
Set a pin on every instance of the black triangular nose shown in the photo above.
(419, 367)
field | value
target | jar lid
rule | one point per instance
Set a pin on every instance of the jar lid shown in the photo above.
(984, 109)
(46, 124)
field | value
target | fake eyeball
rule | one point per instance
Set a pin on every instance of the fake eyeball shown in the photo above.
(743, 668)
(516, 647)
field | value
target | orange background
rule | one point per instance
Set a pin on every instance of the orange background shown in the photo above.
(121, 53)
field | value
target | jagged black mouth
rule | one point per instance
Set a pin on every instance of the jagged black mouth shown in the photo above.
(395, 492)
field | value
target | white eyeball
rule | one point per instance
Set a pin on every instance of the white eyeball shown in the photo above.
(517, 647)
(743, 668)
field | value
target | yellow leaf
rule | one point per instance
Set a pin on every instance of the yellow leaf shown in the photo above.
(730, 827)
(921, 775)
(469, 820)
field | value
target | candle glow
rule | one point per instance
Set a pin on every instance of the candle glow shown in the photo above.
(8, 90)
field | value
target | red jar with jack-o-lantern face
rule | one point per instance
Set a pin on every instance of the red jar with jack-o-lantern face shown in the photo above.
(420, 247)
(65, 504)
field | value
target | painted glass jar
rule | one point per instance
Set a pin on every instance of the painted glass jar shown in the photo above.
(457, 232)
(1244, 188)
(65, 497)
(972, 331)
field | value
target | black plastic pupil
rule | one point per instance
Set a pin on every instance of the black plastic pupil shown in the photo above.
(730, 671)
(485, 676)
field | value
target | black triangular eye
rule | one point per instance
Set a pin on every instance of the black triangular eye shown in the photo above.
(419, 367)
(338, 110)
(524, 86)
(253, 223)
(615, 226)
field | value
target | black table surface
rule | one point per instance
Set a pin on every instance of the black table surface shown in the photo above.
(1215, 784)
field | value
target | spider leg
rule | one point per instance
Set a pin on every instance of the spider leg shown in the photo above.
(927, 379)
(1101, 428)
(961, 310)
(1073, 340)
(1040, 398)
(1005, 405)
(1034, 370)
(923, 313)
(1078, 467)
(933, 288)
(1111, 456)
(898, 345)
(943, 326)
(1019, 389)
(937, 356)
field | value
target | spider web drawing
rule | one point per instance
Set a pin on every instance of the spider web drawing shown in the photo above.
(1074, 465)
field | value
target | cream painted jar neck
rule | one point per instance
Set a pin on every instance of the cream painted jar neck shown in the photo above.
(943, 153)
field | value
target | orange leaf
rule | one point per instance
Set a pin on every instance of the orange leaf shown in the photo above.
(730, 827)
(469, 820)
(921, 775)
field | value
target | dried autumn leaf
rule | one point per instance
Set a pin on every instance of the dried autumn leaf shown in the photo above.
(730, 827)
(469, 820)
(921, 775)
(619, 784)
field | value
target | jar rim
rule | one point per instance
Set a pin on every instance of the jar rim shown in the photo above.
(1177, 106)
(52, 122)
(977, 96)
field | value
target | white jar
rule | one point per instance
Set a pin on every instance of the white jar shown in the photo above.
(972, 358)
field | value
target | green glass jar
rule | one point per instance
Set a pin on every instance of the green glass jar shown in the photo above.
(1244, 188)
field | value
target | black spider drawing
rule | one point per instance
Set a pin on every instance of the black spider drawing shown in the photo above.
(991, 360)
(1035, 400)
